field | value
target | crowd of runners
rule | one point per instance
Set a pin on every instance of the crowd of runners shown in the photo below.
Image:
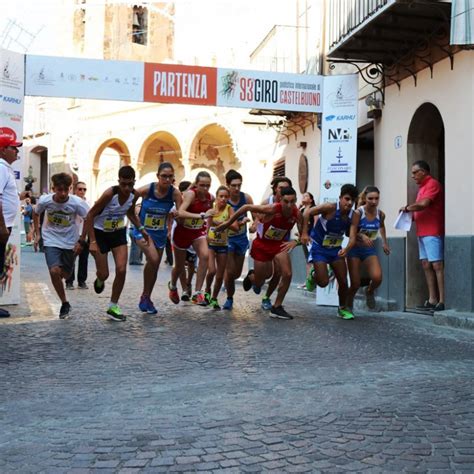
(210, 239)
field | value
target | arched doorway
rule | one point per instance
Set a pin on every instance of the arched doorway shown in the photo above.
(37, 172)
(109, 157)
(425, 142)
(158, 148)
(213, 149)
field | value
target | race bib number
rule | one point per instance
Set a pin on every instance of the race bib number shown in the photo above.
(217, 238)
(154, 222)
(194, 223)
(331, 240)
(273, 233)
(371, 234)
(59, 219)
(111, 224)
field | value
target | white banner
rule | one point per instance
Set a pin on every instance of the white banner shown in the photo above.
(12, 85)
(269, 90)
(50, 76)
(338, 150)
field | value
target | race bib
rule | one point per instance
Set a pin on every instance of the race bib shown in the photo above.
(371, 234)
(193, 223)
(154, 222)
(217, 238)
(111, 224)
(273, 233)
(332, 240)
(60, 219)
(242, 229)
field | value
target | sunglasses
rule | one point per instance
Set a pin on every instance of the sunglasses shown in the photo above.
(82, 189)
(167, 176)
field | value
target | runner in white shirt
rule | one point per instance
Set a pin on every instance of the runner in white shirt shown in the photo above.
(60, 232)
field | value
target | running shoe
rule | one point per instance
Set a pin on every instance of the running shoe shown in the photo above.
(279, 312)
(4, 313)
(207, 297)
(115, 313)
(344, 313)
(310, 283)
(247, 283)
(228, 303)
(185, 296)
(266, 303)
(99, 286)
(256, 289)
(69, 286)
(173, 294)
(369, 299)
(65, 310)
(146, 305)
(82, 286)
(199, 299)
(439, 307)
(214, 304)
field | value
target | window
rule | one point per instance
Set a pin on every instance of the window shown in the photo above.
(279, 167)
(139, 25)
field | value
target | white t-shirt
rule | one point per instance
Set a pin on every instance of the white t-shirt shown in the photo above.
(8, 193)
(60, 227)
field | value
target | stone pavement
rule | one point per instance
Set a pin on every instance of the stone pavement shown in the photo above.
(192, 390)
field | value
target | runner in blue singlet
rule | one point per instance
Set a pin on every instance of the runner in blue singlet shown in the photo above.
(327, 236)
(157, 201)
(367, 224)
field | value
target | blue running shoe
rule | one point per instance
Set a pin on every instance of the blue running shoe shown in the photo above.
(266, 303)
(228, 303)
(256, 289)
(147, 306)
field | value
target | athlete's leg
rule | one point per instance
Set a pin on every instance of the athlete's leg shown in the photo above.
(273, 283)
(283, 263)
(353, 264)
(150, 271)
(57, 276)
(211, 270)
(321, 275)
(202, 250)
(101, 264)
(178, 268)
(262, 271)
(340, 271)
(120, 254)
(375, 273)
(221, 260)
(234, 267)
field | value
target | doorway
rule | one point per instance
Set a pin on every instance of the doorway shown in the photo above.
(425, 142)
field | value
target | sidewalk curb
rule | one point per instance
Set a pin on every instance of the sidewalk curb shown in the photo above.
(454, 319)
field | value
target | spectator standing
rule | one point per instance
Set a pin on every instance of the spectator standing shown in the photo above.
(27, 218)
(83, 258)
(428, 212)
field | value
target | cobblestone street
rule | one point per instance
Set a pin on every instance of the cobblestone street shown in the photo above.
(195, 390)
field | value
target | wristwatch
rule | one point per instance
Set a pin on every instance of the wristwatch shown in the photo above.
(203, 215)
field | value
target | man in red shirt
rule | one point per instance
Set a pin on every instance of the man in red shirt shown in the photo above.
(429, 218)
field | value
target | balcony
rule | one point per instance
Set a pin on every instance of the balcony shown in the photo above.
(400, 36)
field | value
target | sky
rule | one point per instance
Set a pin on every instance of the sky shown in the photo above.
(221, 28)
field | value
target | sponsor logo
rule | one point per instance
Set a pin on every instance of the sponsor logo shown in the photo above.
(11, 100)
(339, 135)
(330, 118)
(341, 118)
(342, 98)
(339, 166)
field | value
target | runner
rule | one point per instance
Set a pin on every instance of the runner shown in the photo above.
(191, 230)
(60, 233)
(278, 184)
(367, 222)
(238, 240)
(218, 245)
(327, 235)
(105, 224)
(157, 201)
(269, 249)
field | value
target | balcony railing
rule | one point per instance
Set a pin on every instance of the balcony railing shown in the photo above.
(345, 16)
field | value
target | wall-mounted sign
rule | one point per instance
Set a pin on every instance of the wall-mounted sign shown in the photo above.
(397, 142)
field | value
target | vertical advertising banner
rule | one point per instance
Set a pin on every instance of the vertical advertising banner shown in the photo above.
(338, 150)
(12, 98)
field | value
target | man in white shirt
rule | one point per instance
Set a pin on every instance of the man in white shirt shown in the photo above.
(9, 197)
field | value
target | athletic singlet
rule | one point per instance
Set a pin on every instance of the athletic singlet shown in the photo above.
(278, 227)
(196, 207)
(369, 228)
(330, 233)
(236, 207)
(154, 211)
(219, 238)
(112, 217)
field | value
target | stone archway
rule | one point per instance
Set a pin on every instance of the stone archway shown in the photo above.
(38, 170)
(425, 142)
(109, 157)
(158, 148)
(213, 149)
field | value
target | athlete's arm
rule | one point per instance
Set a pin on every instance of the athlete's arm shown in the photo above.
(324, 209)
(383, 234)
(353, 234)
(188, 197)
(235, 225)
(265, 210)
(94, 211)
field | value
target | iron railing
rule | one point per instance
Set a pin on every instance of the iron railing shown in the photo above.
(345, 16)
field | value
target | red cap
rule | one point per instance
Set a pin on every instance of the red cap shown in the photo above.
(8, 138)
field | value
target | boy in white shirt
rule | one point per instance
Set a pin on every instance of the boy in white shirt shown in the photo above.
(60, 232)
